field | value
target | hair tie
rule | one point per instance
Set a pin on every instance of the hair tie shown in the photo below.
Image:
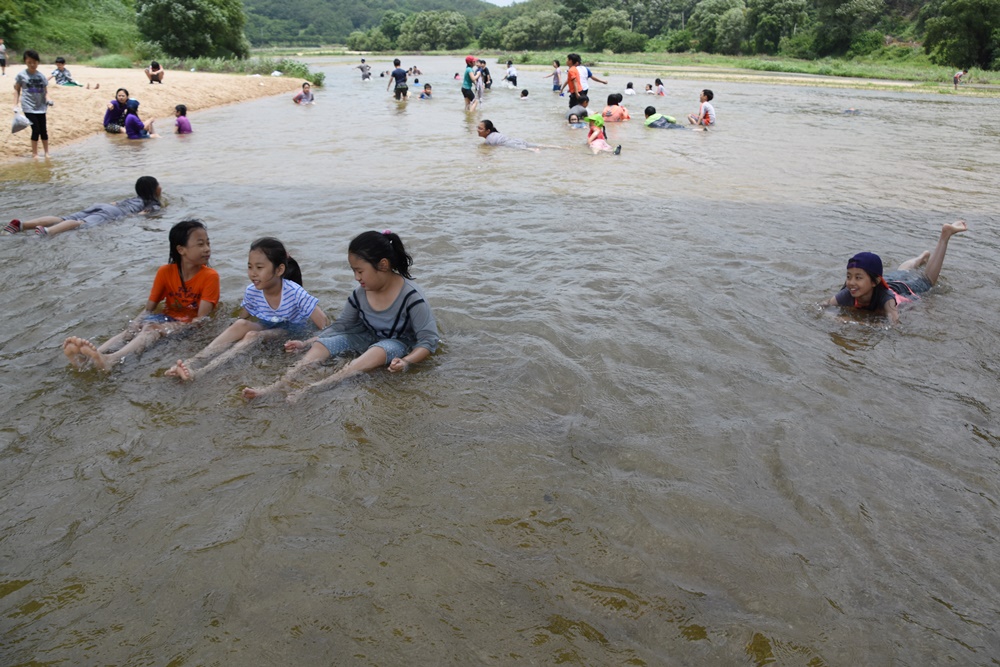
(387, 231)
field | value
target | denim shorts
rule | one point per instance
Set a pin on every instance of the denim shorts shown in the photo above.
(358, 343)
(915, 281)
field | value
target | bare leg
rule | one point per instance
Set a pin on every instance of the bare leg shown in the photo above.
(60, 227)
(916, 262)
(40, 222)
(185, 369)
(315, 355)
(236, 331)
(374, 357)
(149, 334)
(933, 268)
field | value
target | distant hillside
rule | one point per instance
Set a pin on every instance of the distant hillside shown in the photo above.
(308, 22)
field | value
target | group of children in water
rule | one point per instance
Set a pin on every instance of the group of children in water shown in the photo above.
(386, 322)
(122, 115)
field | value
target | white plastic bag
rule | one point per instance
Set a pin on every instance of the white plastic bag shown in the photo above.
(20, 122)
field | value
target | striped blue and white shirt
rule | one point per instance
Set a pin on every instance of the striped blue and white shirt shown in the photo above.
(295, 308)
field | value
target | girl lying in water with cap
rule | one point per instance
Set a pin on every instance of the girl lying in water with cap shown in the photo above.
(866, 288)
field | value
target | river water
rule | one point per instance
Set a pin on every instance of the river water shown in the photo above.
(641, 441)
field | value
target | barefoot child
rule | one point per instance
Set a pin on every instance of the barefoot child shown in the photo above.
(147, 200)
(867, 289)
(274, 297)
(386, 320)
(706, 112)
(186, 285)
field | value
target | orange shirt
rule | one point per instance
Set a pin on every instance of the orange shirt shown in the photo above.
(182, 301)
(573, 80)
(615, 113)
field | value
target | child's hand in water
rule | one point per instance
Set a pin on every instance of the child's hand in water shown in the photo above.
(297, 345)
(398, 365)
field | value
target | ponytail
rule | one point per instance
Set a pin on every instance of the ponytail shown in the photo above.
(374, 246)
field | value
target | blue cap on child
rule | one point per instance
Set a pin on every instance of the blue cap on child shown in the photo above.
(868, 262)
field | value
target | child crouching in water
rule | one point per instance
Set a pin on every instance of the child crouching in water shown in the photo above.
(275, 297)
(867, 289)
(186, 285)
(387, 320)
(596, 137)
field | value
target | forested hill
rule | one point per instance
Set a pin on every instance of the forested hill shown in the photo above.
(306, 22)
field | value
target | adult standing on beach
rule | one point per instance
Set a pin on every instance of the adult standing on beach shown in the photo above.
(468, 81)
(397, 82)
(366, 70)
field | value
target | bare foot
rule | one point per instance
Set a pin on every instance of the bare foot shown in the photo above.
(954, 228)
(924, 256)
(90, 351)
(71, 348)
(180, 370)
(251, 393)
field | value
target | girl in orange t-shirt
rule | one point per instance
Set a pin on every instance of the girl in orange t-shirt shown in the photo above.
(188, 287)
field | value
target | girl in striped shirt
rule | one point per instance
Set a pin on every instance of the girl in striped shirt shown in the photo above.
(275, 298)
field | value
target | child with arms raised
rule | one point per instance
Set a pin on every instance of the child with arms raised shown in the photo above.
(275, 297)
(188, 287)
(387, 320)
(867, 289)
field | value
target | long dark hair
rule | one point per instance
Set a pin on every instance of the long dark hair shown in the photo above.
(489, 127)
(275, 252)
(374, 246)
(179, 235)
(145, 188)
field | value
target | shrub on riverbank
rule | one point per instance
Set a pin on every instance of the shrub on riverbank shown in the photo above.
(263, 66)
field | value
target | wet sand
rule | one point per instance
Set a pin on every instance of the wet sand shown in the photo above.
(77, 113)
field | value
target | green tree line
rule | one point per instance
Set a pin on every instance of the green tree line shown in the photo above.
(961, 33)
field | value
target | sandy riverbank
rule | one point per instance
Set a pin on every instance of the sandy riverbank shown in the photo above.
(78, 112)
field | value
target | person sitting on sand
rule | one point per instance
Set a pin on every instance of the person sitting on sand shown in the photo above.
(154, 72)
(114, 117)
(188, 287)
(866, 288)
(63, 77)
(147, 200)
